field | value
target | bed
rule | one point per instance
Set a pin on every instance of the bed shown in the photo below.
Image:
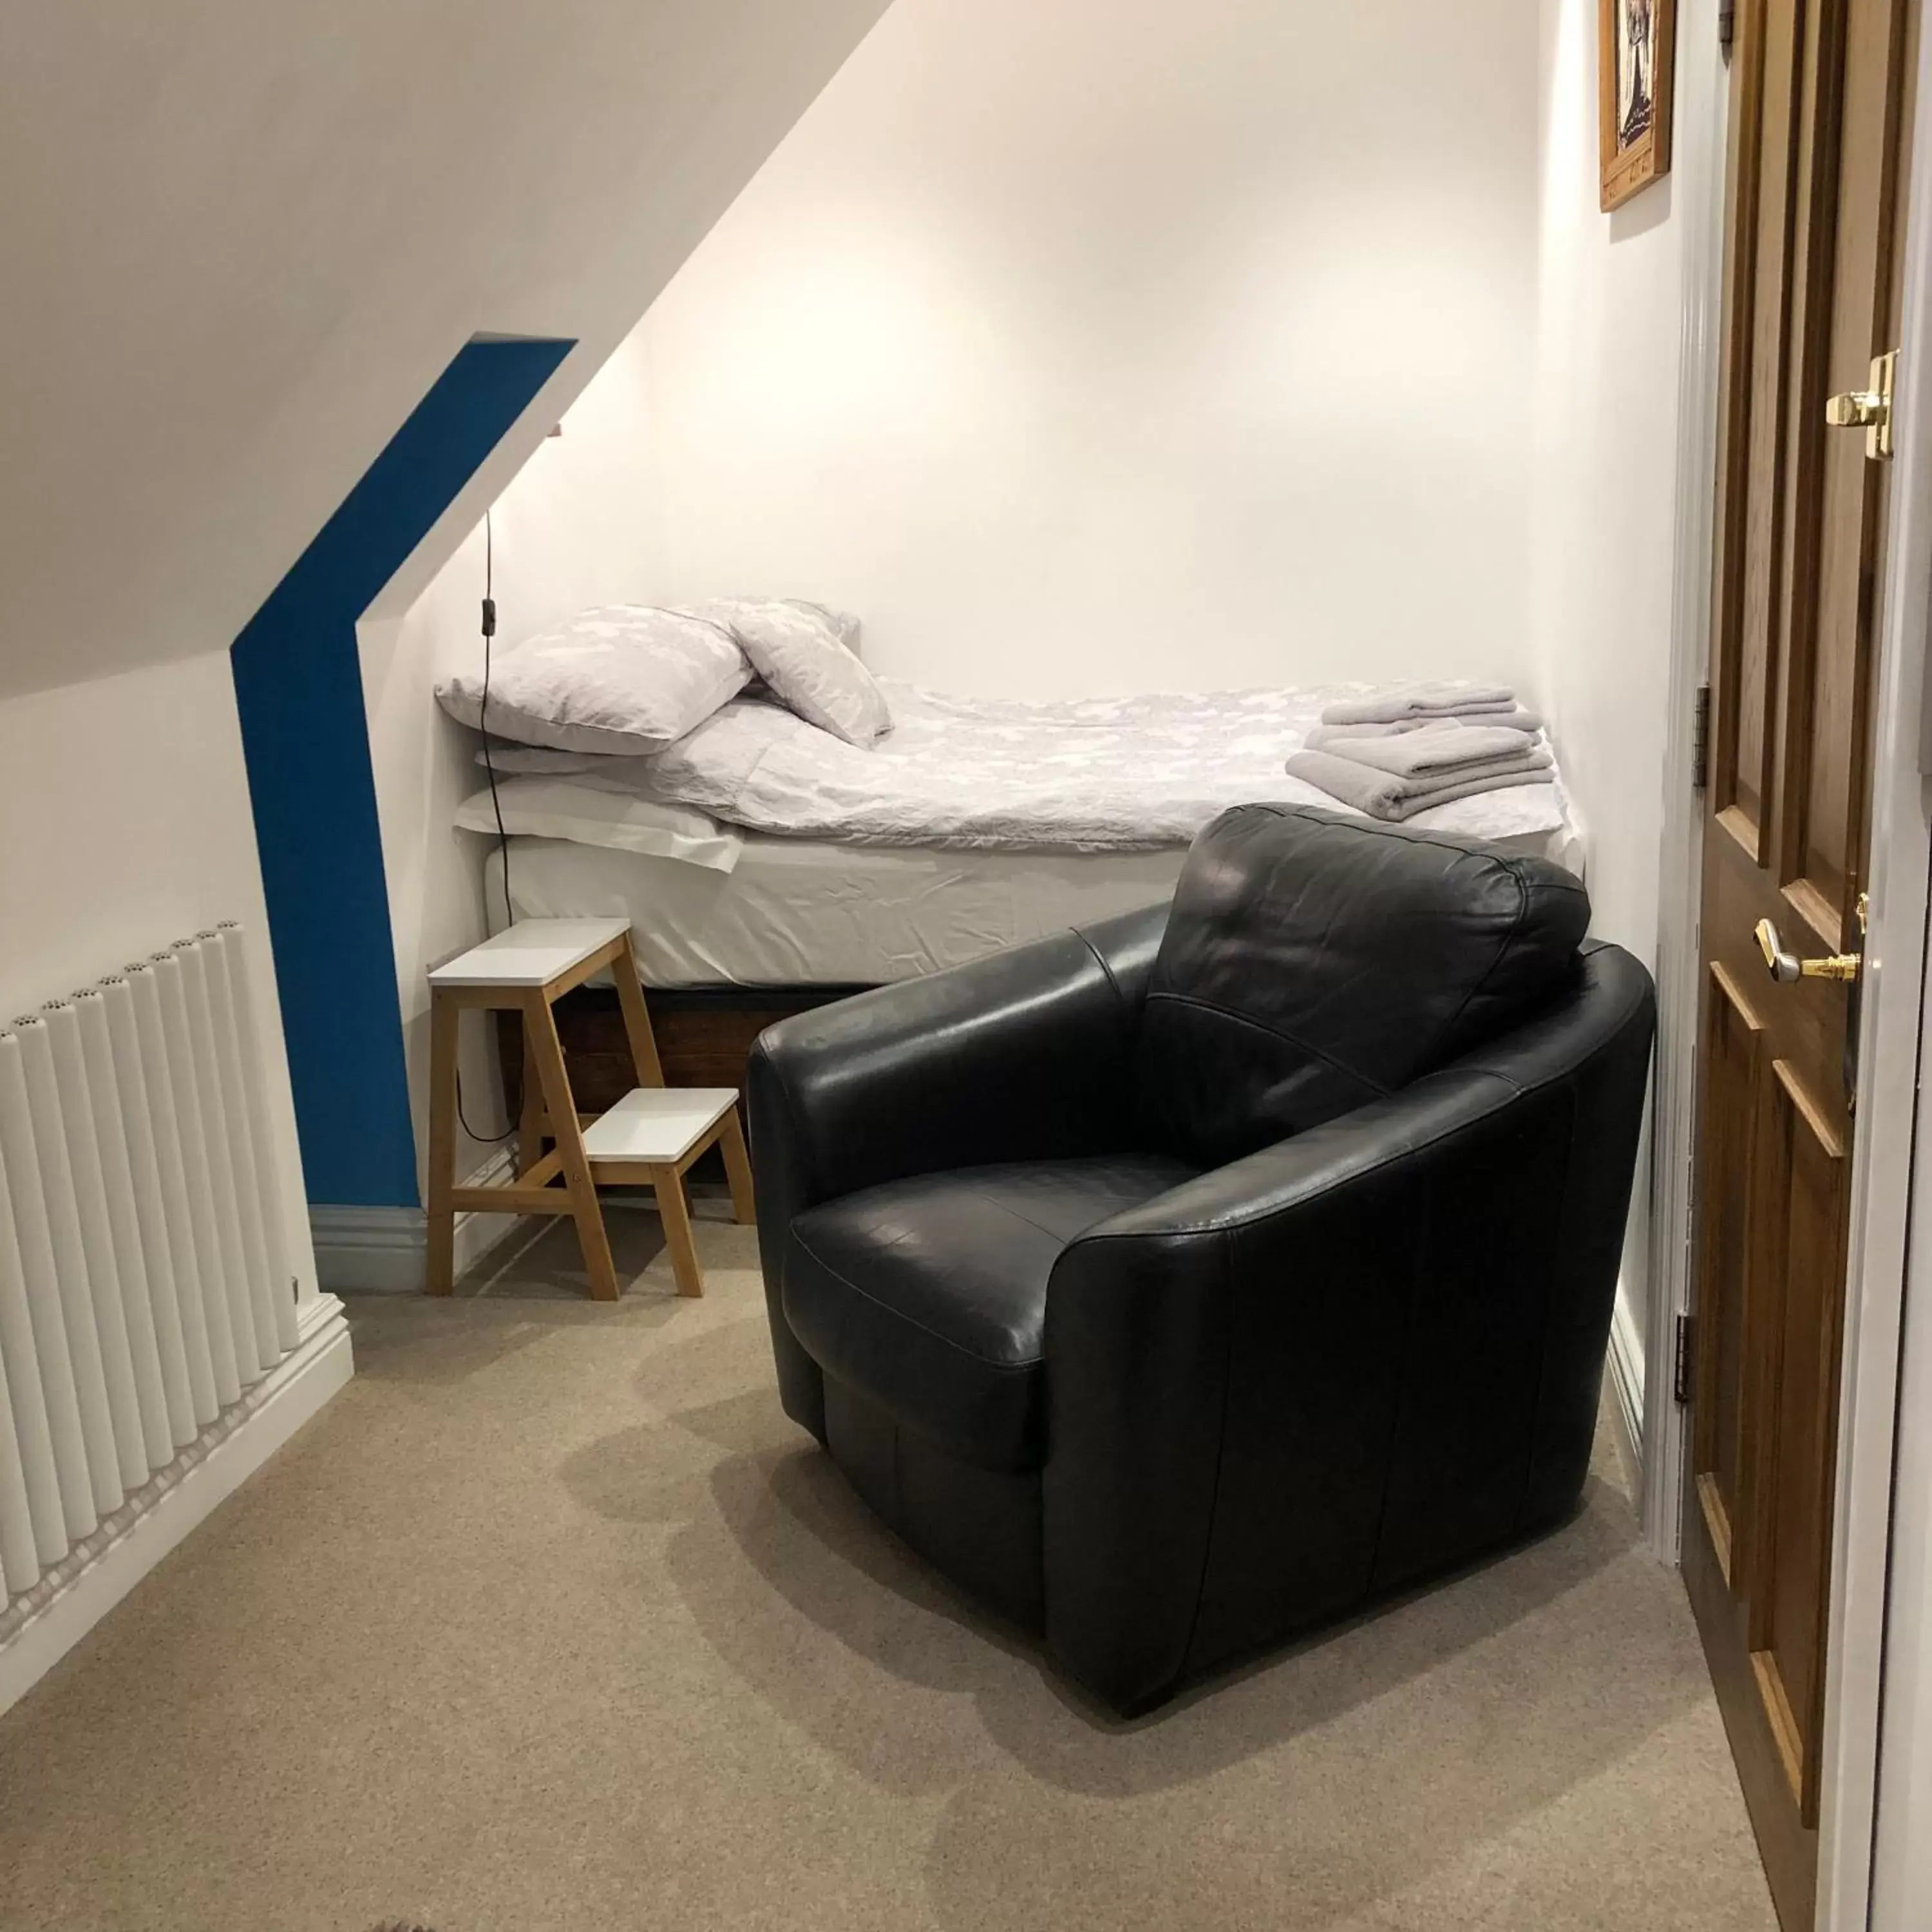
(974, 824)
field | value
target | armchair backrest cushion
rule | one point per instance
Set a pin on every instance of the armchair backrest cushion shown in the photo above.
(1313, 962)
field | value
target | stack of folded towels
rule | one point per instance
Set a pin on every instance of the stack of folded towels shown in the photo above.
(1410, 749)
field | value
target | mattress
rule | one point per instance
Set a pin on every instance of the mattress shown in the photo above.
(800, 912)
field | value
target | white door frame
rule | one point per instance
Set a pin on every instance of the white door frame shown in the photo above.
(1877, 1845)
(1875, 1852)
(1702, 118)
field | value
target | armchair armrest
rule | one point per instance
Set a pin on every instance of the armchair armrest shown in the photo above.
(1023, 1055)
(1358, 1356)
(1019, 1056)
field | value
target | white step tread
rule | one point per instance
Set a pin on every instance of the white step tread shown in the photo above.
(532, 952)
(657, 1123)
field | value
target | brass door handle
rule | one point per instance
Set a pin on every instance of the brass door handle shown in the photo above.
(1869, 409)
(1854, 409)
(1786, 967)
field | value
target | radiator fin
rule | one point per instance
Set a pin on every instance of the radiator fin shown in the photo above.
(114, 1170)
(194, 1139)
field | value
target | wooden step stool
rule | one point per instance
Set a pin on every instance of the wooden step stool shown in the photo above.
(649, 1138)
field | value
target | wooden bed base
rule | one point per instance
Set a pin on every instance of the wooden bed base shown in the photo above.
(704, 1037)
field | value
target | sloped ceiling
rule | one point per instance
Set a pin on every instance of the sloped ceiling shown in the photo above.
(239, 242)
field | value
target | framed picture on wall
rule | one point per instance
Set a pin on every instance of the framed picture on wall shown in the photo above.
(1635, 46)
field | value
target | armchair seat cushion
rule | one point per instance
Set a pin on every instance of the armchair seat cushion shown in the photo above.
(928, 1295)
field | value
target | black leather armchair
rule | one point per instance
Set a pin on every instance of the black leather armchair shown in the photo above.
(1186, 1282)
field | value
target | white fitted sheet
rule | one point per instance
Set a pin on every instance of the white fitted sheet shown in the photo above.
(798, 913)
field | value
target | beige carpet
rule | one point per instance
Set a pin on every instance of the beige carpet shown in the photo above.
(551, 1622)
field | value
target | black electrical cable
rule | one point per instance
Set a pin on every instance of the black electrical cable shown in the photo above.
(483, 711)
(490, 766)
(488, 1140)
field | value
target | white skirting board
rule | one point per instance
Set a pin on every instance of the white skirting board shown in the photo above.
(41, 1627)
(1626, 1376)
(383, 1250)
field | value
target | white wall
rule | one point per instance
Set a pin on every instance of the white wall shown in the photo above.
(126, 803)
(1117, 344)
(1602, 553)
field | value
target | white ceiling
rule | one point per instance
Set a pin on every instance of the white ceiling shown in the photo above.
(239, 241)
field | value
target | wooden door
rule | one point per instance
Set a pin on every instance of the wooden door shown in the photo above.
(1817, 90)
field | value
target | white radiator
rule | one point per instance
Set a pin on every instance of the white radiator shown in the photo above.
(144, 1284)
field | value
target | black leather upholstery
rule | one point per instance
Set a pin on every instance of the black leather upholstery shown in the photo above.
(1307, 969)
(1247, 1399)
(928, 1295)
(1022, 1056)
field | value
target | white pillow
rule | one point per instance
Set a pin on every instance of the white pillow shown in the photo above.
(626, 679)
(796, 648)
(529, 761)
(538, 808)
(845, 627)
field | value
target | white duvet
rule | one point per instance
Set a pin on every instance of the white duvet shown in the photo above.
(1086, 774)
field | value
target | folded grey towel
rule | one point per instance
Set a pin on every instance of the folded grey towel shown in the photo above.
(1513, 718)
(1422, 700)
(1339, 734)
(1517, 717)
(1466, 751)
(1382, 795)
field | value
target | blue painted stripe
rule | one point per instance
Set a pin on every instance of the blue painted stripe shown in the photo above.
(305, 733)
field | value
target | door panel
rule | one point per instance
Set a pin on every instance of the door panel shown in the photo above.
(1805, 1165)
(1828, 835)
(1733, 1033)
(1754, 645)
(1802, 431)
(1816, 87)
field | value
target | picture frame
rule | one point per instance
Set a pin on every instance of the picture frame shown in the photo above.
(1636, 46)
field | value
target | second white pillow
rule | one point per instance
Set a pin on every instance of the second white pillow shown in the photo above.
(796, 648)
(537, 808)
